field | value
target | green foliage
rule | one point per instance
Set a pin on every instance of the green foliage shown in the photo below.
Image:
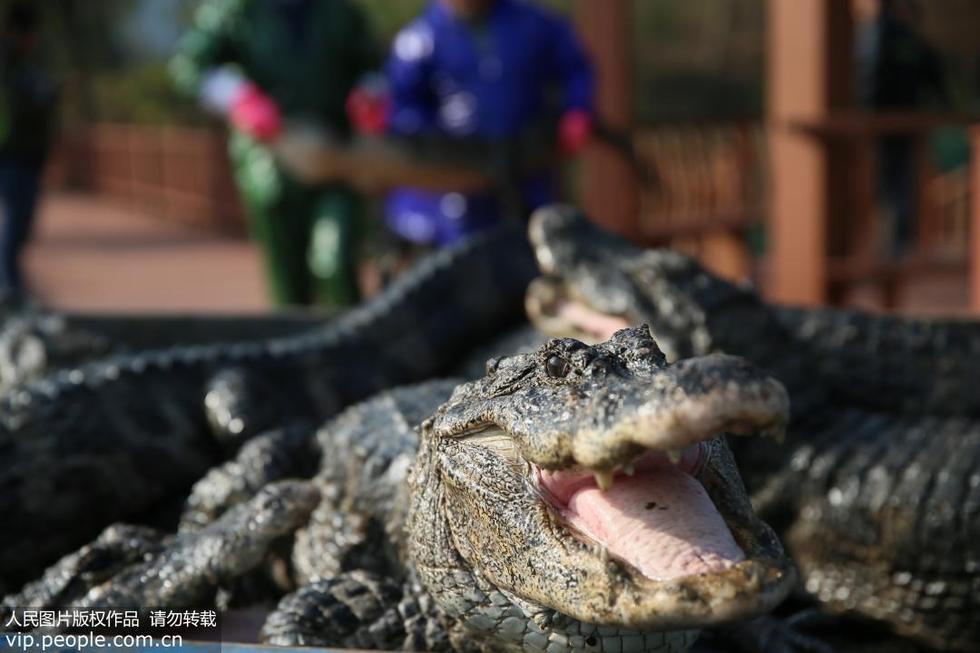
(692, 58)
(388, 16)
(143, 94)
(697, 59)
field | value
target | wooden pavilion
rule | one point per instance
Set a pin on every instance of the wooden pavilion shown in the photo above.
(821, 209)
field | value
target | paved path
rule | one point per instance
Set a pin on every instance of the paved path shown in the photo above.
(94, 255)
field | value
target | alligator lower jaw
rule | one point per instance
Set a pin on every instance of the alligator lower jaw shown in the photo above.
(653, 514)
(553, 312)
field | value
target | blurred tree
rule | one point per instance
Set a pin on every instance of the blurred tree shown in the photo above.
(695, 59)
(952, 26)
(101, 72)
(698, 59)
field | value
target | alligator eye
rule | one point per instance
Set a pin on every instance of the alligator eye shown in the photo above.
(557, 367)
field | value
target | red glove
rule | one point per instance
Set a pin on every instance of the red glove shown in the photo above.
(367, 108)
(255, 113)
(574, 131)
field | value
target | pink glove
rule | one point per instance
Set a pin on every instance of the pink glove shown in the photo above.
(574, 131)
(367, 108)
(255, 113)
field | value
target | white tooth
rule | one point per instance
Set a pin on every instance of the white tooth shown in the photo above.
(603, 553)
(604, 480)
(629, 469)
(675, 455)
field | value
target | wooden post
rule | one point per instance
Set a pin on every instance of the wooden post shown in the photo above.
(610, 191)
(809, 75)
(974, 252)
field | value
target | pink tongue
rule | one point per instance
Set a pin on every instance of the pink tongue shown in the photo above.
(662, 522)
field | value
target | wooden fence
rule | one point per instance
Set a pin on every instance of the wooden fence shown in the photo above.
(704, 177)
(708, 187)
(858, 252)
(177, 173)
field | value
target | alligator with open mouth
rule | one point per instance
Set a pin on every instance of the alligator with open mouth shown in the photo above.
(876, 490)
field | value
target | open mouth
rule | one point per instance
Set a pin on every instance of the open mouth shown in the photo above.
(554, 312)
(652, 513)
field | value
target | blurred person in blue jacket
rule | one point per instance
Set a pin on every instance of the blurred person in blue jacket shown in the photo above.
(486, 69)
(27, 108)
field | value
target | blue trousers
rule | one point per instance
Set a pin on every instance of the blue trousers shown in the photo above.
(19, 184)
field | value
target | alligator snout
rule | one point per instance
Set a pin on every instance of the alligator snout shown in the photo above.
(683, 404)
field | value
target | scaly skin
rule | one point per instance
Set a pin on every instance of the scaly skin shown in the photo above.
(130, 566)
(477, 556)
(31, 343)
(875, 490)
(112, 439)
(36, 342)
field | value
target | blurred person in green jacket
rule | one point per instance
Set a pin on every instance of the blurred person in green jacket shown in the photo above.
(262, 63)
(27, 108)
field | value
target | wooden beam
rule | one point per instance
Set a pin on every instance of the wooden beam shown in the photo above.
(809, 75)
(610, 190)
(974, 252)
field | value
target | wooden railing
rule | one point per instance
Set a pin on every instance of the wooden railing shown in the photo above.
(858, 250)
(946, 206)
(701, 174)
(707, 187)
(707, 177)
(178, 173)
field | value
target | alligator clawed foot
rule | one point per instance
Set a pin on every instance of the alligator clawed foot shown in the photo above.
(71, 578)
(136, 566)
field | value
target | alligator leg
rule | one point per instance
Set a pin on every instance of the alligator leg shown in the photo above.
(117, 547)
(288, 452)
(360, 610)
(335, 540)
(132, 566)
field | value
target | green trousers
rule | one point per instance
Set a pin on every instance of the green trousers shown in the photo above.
(308, 235)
